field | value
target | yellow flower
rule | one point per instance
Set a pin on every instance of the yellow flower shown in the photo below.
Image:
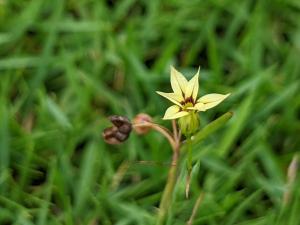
(185, 94)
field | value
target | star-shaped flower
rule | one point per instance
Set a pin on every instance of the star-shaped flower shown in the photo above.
(185, 94)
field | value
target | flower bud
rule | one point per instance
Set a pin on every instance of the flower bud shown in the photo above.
(140, 119)
(189, 124)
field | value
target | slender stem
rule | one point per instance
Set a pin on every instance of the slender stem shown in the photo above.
(189, 166)
(172, 177)
(189, 159)
(175, 133)
(168, 191)
(160, 129)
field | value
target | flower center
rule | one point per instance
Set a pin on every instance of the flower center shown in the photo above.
(188, 102)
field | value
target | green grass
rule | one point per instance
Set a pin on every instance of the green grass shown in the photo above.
(67, 65)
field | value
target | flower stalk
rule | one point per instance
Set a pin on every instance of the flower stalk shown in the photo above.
(172, 178)
(165, 132)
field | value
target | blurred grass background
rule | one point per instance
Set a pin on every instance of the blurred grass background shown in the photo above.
(66, 65)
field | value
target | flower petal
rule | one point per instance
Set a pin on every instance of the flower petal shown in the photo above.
(193, 86)
(198, 106)
(211, 100)
(171, 96)
(178, 82)
(173, 112)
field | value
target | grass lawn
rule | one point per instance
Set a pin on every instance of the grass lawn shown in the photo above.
(66, 65)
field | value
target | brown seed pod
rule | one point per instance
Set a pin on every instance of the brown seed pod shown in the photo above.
(122, 122)
(120, 136)
(109, 135)
(118, 121)
(119, 132)
(125, 128)
(140, 119)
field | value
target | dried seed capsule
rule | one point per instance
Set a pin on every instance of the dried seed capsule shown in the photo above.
(125, 128)
(122, 122)
(119, 132)
(118, 121)
(109, 135)
(120, 136)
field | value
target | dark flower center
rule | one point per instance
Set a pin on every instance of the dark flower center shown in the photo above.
(188, 102)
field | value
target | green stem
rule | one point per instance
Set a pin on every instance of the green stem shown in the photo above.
(169, 188)
(189, 159)
(189, 165)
